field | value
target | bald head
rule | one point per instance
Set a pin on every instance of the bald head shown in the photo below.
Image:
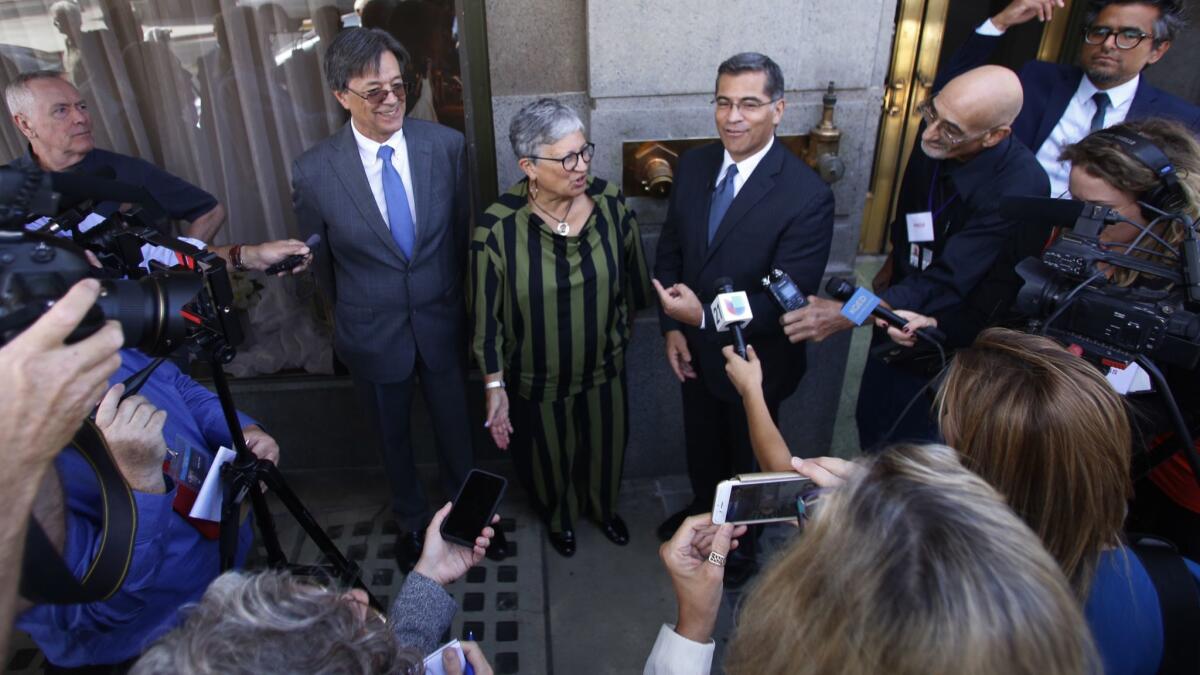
(983, 98)
(974, 111)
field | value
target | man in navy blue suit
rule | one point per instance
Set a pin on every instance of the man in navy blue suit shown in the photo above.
(1064, 103)
(738, 209)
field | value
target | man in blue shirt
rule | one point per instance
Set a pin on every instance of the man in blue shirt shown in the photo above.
(172, 562)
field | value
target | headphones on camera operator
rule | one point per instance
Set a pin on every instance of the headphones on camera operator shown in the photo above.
(1178, 599)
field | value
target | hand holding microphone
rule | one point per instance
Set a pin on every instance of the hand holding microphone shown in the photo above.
(731, 311)
(860, 303)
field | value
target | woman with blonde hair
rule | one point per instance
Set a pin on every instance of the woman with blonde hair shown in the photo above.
(913, 565)
(1047, 431)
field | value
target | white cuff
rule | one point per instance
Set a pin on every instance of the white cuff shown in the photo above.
(674, 654)
(988, 28)
(703, 318)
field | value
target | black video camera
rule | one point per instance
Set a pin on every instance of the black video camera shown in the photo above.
(1067, 296)
(159, 307)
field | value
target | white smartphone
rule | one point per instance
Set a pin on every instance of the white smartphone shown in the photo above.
(762, 497)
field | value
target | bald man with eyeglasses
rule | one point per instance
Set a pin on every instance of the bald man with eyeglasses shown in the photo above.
(952, 251)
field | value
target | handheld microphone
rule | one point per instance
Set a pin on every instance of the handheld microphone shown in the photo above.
(293, 260)
(731, 311)
(841, 289)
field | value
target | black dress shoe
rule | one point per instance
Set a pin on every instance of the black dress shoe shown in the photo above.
(408, 549)
(614, 528)
(669, 526)
(563, 542)
(498, 549)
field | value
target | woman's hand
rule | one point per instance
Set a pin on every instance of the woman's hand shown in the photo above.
(745, 374)
(906, 336)
(826, 472)
(497, 422)
(446, 562)
(697, 580)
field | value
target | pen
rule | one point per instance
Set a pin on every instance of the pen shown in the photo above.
(470, 638)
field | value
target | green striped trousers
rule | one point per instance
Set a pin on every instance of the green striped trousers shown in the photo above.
(569, 453)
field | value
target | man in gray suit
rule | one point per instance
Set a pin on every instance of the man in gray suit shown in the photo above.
(389, 198)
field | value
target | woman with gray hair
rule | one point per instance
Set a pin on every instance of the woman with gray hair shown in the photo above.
(558, 273)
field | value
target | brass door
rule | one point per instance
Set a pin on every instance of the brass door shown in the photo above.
(920, 28)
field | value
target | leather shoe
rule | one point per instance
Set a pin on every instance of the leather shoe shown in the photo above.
(498, 549)
(614, 528)
(563, 542)
(667, 529)
(408, 549)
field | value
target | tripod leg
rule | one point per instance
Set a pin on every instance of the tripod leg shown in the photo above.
(346, 570)
(229, 518)
(266, 523)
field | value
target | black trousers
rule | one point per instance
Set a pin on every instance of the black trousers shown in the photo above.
(717, 435)
(389, 405)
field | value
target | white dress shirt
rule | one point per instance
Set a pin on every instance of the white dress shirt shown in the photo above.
(1076, 121)
(674, 654)
(368, 152)
(745, 167)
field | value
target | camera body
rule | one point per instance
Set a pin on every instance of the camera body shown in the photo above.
(1066, 296)
(159, 309)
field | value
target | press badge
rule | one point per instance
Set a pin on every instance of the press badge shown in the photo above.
(920, 226)
(919, 257)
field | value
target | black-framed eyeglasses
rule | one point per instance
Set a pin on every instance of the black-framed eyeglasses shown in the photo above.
(1126, 38)
(748, 106)
(379, 94)
(947, 130)
(571, 160)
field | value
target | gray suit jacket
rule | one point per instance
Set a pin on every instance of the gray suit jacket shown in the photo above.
(388, 308)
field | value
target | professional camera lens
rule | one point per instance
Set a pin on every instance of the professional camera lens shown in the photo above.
(149, 309)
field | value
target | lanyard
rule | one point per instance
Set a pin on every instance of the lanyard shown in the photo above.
(932, 188)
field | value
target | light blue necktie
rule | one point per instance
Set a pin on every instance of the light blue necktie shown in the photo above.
(722, 198)
(394, 195)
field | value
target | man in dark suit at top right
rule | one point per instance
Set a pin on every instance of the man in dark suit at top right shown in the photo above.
(1065, 103)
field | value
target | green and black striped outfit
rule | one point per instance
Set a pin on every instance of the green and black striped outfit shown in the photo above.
(555, 314)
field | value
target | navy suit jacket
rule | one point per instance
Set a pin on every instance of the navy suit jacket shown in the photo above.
(1049, 87)
(387, 308)
(782, 217)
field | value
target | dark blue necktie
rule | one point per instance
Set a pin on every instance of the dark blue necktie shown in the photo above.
(1102, 102)
(394, 195)
(722, 198)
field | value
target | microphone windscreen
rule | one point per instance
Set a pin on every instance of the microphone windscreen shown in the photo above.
(1042, 210)
(839, 288)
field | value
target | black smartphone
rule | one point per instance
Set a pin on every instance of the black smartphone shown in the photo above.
(476, 503)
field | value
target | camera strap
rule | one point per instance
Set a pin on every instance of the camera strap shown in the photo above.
(45, 577)
(1178, 600)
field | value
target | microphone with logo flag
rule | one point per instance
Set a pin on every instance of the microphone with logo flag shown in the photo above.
(731, 311)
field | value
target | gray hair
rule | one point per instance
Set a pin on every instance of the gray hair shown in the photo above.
(543, 122)
(359, 51)
(1169, 23)
(753, 62)
(272, 622)
(17, 94)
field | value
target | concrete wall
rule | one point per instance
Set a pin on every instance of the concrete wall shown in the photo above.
(637, 69)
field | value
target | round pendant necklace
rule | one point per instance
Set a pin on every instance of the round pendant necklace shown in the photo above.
(561, 226)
